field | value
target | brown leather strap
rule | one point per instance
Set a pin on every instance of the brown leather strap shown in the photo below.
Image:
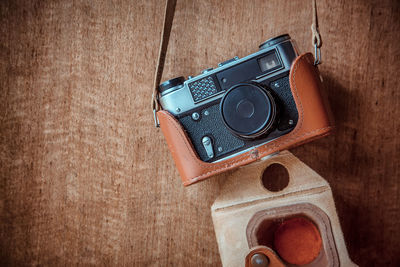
(316, 36)
(167, 25)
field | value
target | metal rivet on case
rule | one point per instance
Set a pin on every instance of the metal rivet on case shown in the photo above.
(259, 260)
(276, 84)
(254, 154)
(178, 110)
(206, 113)
(220, 149)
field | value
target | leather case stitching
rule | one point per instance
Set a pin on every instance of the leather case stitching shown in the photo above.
(197, 178)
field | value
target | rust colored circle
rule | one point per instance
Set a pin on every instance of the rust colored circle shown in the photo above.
(298, 241)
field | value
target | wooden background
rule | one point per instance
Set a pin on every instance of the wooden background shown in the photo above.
(85, 178)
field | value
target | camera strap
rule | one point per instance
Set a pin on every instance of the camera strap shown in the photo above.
(166, 31)
(316, 37)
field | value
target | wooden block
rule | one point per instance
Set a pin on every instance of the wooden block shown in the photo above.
(245, 212)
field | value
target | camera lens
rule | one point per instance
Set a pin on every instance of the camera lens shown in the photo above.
(274, 41)
(248, 110)
(170, 85)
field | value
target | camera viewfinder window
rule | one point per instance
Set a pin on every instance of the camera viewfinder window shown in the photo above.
(269, 62)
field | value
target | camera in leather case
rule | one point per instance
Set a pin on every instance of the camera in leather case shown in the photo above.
(244, 109)
(238, 105)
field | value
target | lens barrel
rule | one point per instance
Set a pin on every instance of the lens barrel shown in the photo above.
(248, 110)
(171, 85)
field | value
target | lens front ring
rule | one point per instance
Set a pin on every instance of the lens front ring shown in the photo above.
(248, 110)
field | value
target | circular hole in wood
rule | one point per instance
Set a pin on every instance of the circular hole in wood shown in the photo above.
(275, 177)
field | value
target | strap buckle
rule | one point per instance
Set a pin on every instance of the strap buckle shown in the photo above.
(317, 55)
(156, 121)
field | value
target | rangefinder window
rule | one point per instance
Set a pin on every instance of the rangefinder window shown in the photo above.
(269, 62)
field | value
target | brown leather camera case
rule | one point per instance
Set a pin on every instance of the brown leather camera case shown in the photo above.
(314, 122)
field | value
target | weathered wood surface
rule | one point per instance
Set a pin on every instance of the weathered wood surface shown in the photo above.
(86, 179)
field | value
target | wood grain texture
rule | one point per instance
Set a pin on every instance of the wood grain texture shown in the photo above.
(85, 179)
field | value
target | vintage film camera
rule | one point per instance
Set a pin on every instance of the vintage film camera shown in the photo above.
(242, 111)
(241, 104)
